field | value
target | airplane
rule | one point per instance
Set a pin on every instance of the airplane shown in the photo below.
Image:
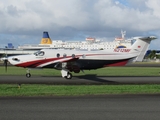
(76, 60)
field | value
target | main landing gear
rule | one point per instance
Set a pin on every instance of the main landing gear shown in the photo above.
(69, 76)
(66, 74)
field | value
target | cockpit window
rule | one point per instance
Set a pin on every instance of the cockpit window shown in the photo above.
(39, 53)
(36, 53)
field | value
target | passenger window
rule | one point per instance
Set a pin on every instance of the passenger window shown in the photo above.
(83, 56)
(64, 55)
(73, 55)
(58, 55)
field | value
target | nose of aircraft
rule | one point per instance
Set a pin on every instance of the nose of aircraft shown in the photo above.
(13, 60)
(5, 60)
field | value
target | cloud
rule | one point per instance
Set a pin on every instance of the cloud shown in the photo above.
(72, 19)
(81, 15)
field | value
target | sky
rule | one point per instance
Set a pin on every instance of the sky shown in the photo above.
(23, 21)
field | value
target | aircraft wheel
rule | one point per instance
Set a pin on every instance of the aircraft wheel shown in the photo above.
(69, 76)
(28, 75)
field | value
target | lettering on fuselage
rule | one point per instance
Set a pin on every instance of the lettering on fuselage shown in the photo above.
(122, 50)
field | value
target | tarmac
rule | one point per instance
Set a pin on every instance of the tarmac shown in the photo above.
(80, 80)
(111, 107)
(108, 107)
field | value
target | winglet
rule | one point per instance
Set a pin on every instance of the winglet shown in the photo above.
(46, 39)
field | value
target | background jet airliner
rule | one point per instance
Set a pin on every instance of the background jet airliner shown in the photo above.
(74, 60)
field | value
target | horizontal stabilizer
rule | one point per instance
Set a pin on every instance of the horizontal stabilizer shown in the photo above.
(148, 38)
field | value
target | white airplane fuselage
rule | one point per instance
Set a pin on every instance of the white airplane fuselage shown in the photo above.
(83, 59)
(75, 60)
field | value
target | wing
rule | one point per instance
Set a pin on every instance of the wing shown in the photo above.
(71, 59)
(69, 64)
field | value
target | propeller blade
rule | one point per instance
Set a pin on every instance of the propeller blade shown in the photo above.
(5, 63)
(5, 60)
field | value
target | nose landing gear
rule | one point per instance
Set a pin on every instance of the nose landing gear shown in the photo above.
(28, 74)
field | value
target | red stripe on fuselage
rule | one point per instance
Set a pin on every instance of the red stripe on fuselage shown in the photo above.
(121, 63)
(35, 63)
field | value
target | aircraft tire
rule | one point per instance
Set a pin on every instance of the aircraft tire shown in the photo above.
(28, 75)
(69, 76)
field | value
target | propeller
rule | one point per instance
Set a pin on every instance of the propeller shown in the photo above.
(5, 60)
(5, 64)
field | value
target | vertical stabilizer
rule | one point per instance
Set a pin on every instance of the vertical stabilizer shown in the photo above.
(46, 39)
(141, 46)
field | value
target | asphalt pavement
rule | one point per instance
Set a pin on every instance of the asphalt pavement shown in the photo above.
(108, 107)
(98, 107)
(80, 80)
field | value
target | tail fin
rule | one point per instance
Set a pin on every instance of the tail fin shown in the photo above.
(141, 45)
(46, 39)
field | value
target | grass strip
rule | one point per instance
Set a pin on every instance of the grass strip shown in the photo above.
(77, 90)
(108, 71)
